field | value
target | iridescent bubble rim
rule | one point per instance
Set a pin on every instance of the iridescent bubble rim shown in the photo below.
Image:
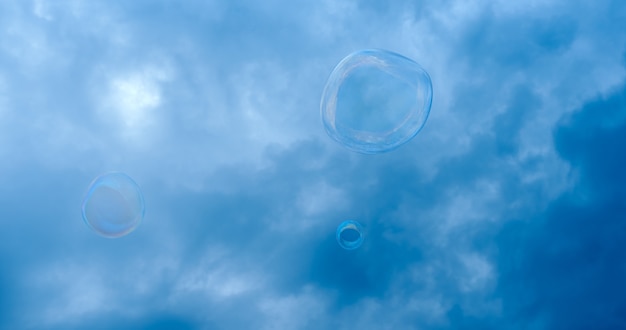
(398, 66)
(106, 179)
(347, 225)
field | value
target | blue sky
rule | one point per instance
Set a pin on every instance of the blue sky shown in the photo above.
(507, 211)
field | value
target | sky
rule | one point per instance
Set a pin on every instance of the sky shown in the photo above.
(506, 211)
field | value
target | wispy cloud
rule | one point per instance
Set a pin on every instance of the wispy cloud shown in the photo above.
(503, 213)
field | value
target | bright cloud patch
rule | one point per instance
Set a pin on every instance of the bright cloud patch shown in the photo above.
(132, 101)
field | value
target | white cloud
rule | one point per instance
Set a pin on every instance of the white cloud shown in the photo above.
(466, 207)
(321, 197)
(328, 21)
(56, 134)
(69, 292)
(218, 277)
(478, 275)
(430, 307)
(74, 292)
(131, 102)
(304, 310)
(135, 96)
(26, 43)
(265, 109)
(42, 10)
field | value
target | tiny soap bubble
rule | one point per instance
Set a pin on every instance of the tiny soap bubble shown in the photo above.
(349, 235)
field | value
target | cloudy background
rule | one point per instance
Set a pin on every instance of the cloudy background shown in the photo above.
(507, 211)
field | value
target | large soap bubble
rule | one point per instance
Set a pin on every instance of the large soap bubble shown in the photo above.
(113, 205)
(375, 101)
(349, 235)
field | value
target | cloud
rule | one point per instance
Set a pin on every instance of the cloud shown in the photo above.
(566, 267)
(301, 311)
(77, 292)
(503, 213)
(131, 102)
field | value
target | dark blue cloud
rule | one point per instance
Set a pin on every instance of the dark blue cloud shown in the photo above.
(591, 140)
(565, 268)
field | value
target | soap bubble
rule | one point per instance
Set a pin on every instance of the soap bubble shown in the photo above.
(113, 205)
(349, 235)
(375, 101)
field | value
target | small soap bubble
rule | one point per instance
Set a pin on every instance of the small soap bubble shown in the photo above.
(113, 205)
(349, 235)
(375, 100)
